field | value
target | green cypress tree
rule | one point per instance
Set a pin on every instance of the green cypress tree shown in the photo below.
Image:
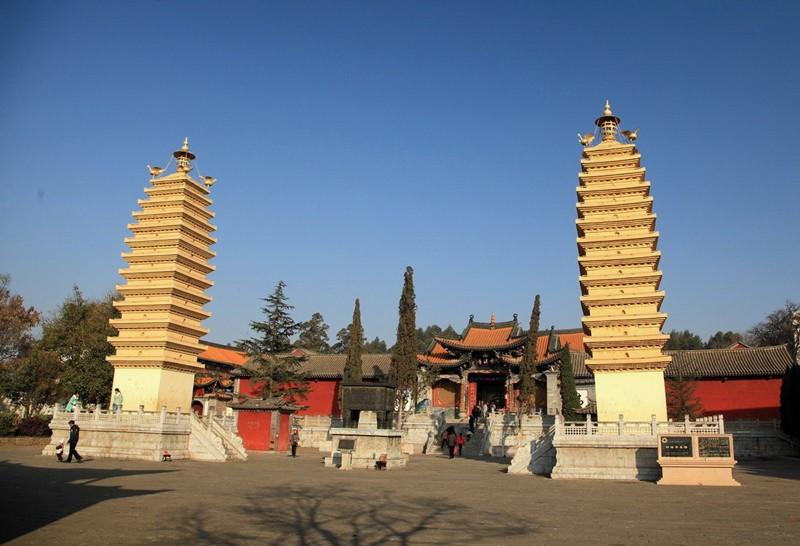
(352, 366)
(570, 401)
(404, 352)
(528, 365)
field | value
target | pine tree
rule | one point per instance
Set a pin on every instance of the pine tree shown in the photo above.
(528, 365)
(404, 352)
(681, 398)
(270, 349)
(570, 401)
(314, 335)
(352, 367)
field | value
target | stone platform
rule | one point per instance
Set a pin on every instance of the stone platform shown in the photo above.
(364, 446)
(146, 436)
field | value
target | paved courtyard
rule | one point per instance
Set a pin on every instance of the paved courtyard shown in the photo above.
(272, 499)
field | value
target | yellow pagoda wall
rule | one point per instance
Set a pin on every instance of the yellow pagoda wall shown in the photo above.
(619, 279)
(161, 309)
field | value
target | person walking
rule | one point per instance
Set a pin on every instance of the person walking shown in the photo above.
(116, 401)
(74, 436)
(474, 416)
(451, 442)
(294, 440)
(484, 409)
(460, 444)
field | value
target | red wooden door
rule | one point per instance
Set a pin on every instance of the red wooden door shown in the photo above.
(283, 432)
(254, 429)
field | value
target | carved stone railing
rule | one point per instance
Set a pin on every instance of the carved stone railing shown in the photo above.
(140, 418)
(703, 425)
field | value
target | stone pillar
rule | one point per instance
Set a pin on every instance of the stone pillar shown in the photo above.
(553, 393)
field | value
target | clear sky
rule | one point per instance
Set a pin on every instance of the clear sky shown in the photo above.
(353, 139)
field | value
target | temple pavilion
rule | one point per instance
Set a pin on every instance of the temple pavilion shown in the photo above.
(482, 364)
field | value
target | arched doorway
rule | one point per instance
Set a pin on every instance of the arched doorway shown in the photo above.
(197, 408)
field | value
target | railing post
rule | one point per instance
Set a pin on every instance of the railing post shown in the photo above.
(687, 426)
(588, 425)
(162, 418)
(97, 412)
(621, 425)
(721, 424)
(559, 425)
(653, 425)
(177, 415)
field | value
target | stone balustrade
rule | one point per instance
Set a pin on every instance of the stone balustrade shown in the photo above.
(703, 425)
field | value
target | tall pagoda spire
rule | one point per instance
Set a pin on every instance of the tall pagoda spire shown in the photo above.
(619, 277)
(165, 290)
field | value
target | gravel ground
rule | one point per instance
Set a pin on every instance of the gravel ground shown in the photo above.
(273, 499)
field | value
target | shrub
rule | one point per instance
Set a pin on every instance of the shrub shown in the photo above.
(6, 423)
(35, 425)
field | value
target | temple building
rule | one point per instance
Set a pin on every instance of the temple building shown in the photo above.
(619, 277)
(157, 344)
(482, 365)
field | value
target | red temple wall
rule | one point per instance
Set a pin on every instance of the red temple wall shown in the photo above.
(254, 429)
(322, 397)
(740, 398)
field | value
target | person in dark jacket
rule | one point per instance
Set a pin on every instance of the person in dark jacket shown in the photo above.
(451, 442)
(74, 436)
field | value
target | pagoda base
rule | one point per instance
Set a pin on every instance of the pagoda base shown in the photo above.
(637, 395)
(606, 458)
(154, 387)
(145, 436)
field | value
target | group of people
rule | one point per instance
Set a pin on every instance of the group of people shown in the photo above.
(480, 411)
(75, 402)
(454, 441)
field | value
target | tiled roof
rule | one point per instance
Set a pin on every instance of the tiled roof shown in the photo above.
(739, 362)
(573, 337)
(486, 342)
(438, 355)
(273, 403)
(319, 366)
(223, 355)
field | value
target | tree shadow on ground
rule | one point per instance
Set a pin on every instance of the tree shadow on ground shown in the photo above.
(342, 515)
(787, 468)
(32, 497)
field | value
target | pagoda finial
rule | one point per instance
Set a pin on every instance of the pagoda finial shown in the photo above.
(183, 157)
(608, 123)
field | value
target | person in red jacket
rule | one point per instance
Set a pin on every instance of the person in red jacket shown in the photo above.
(460, 443)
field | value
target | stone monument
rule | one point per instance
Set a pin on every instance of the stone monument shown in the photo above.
(367, 439)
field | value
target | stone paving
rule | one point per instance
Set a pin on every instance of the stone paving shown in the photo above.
(272, 499)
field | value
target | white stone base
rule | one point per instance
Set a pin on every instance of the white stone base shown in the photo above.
(107, 440)
(606, 458)
(370, 445)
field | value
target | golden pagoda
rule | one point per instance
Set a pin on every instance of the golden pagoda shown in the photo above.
(162, 301)
(619, 277)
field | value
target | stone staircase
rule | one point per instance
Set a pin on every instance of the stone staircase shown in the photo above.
(213, 441)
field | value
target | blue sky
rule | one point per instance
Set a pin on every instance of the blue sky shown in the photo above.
(353, 139)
